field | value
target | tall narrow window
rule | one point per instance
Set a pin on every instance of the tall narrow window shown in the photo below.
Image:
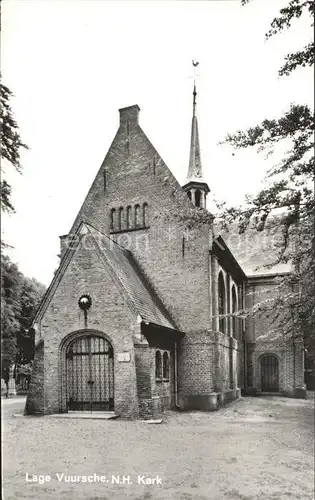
(137, 216)
(198, 198)
(234, 309)
(121, 221)
(158, 365)
(221, 295)
(145, 215)
(189, 194)
(113, 220)
(166, 366)
(129, 217)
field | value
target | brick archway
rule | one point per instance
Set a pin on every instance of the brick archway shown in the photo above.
(86, 372)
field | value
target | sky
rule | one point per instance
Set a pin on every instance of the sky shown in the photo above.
(72, 64)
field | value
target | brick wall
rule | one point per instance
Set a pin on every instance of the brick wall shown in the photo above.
(197, 362)
(290, 359)
(144, 357)
(136, 174)
(163, 391)
(229, 352)
(35, 397)
(109, 315)
(172, 253)
(263, 338)
(154, 395)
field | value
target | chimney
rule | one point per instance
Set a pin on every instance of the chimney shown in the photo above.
(64, 244)
(129, 116)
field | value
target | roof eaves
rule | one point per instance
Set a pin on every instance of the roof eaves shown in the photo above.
(220, 243)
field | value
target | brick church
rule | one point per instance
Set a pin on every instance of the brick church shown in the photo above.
(141, 315)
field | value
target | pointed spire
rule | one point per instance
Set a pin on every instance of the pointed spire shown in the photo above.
(195, 187)
(195, 167)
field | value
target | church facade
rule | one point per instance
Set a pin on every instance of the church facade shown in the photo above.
(141, 315)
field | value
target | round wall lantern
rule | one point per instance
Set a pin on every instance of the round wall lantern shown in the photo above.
(85, 302)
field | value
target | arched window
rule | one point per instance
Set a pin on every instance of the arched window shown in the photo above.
(129, 217)
(166, 366)
(113, 219)
(221, 295)
(145, 215)
(121, 221)
(158, 365)
(234, 310)
(198, 198)
(189, 194)
(137, 216)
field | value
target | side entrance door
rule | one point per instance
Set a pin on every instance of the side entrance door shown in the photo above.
(90, 374)
(269, 373)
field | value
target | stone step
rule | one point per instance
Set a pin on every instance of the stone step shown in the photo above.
(95, 415)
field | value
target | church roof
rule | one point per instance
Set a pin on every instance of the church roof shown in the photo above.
(255, 252)
(126, 273)
(228, 260)
(142, 296)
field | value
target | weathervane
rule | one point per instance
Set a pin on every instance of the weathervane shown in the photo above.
(195, 64)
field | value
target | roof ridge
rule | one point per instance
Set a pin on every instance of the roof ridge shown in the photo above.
(103, 257)
(141, 275)
(106, 236)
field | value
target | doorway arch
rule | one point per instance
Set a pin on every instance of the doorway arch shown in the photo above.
(87, 372)
(269, 372)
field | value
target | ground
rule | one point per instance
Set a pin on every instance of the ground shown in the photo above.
(255, 448)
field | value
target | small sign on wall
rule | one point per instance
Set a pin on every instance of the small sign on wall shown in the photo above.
(123, 357)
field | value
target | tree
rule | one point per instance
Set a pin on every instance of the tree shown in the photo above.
(10, 310)
(287, 200)
(10, 145)
(11, 278)
(19, 295)
(31, 293)
(20, 298)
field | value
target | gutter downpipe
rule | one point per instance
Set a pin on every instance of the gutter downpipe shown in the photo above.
(244, 339)
(294, 367)
(175, 375)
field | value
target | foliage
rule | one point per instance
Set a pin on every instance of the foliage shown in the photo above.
(191, 217)
(293, 10)
(10, 308)
(11, 143)
(25, 369)
(290, 182)
(287, 199)
(20, 297)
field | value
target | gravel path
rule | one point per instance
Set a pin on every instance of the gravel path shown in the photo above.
(256, 448)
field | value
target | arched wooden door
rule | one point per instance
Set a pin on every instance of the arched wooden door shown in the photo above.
(269, 373)
(90, 374)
